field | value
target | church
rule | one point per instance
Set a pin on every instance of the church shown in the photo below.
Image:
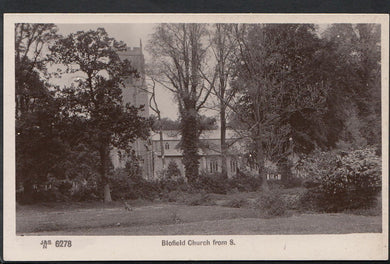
(149, 152)
(135, 93)
(209, 152)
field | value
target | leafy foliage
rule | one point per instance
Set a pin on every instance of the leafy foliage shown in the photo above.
(283, 87)
(354, 56)
(211, 183)
(344, 181)
(39, 148)
(95, 99)
(165, 124)
(294, 90)
(180, 56)
(173, 170)
(128, 183)
(245, 182)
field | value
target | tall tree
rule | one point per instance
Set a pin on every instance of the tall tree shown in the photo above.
(224, 48)
(356, 52)
(31, 42)
(180, 58)
(159, 124)
(283, 91)
(95, 99)
(38, 146)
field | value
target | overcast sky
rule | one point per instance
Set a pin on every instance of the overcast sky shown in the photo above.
(131, 34)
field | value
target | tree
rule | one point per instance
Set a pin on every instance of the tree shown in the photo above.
(30, 41)
(95, 98)
(39, 148)
(166, 124)
(180, 58)
(159, 124)
(173, 170)
(356, 52)
(284, 93)
(224, 48)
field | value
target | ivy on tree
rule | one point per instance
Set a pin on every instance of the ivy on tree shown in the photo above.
(180, 56)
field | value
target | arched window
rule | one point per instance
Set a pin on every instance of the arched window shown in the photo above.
(167, 145)
(233, 165)
(213, 165)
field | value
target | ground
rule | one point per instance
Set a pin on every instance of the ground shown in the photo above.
(164, 218)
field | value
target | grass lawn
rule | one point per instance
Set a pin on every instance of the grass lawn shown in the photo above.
(179, 219)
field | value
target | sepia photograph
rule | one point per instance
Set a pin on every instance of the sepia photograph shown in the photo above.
(196, 132)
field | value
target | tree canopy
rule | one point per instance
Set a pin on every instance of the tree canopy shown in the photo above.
(180, 56)
(63, 127)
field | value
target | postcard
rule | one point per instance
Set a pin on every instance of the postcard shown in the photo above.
(196, 136)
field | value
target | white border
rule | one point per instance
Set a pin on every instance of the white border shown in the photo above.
(256, 247)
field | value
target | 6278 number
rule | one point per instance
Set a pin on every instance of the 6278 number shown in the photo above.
(63, 243)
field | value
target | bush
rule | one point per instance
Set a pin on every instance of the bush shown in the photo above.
(343, 180)
(200, 199)
(271, 203)
(86, 189)
(244, 182)
(293, 201)
(127, 183)
(127, 186)
(169, 185)
(292, 182)
(275, 184)
(237, 203)
(173, 170)
(173, 196)
(211, 183)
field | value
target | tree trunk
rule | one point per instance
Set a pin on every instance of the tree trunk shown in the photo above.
(223, 140)
(162, 146)
(260, 162)
(107, 193)
(104, 159)
(259, 145)
(190, 144)
(28, 192)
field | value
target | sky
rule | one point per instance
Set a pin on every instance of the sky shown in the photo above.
(131, 34)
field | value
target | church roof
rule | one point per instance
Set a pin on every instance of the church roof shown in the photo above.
(209, 142)
(206, 134)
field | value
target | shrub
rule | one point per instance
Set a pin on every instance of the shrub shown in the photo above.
(311, 200)
(173, 196)
(237, 203)
(200, 199)
(85, 189)
(58, 190)
(313, 167)
(293, 201)
(211, 183)
(244, 182)
(127, 186)
(173, 170)
(275, 184)
(343, 180)
(271, 203)
(169, 184)
(292, 182)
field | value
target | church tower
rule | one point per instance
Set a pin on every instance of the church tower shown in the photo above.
(135, 93)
